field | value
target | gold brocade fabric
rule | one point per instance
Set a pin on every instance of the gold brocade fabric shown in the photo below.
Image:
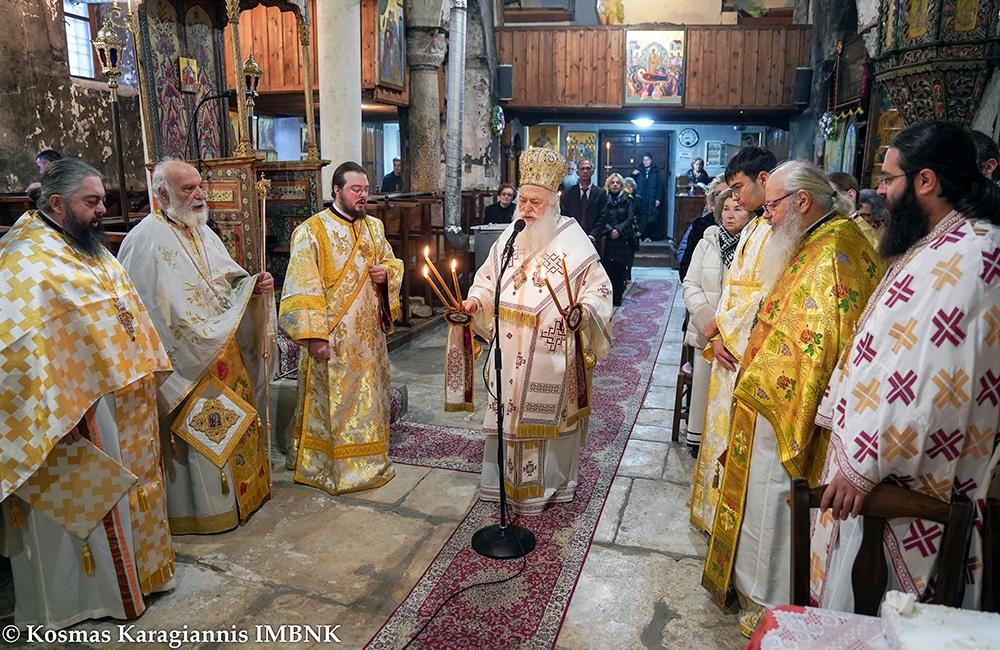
(248, 462)
(737, 307)
(342, 410)
(802, 328)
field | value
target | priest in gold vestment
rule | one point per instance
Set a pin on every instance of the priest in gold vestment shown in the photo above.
(216, 322)
(340, 297)
(546, 378)
(83, 505)
(825, 271)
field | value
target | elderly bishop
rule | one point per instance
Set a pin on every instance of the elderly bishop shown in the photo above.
(216, 322)
(555, 313)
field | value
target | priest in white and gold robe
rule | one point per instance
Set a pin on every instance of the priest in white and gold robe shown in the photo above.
(83, 505)
(216, 322)
(340, 297)
(546, 374)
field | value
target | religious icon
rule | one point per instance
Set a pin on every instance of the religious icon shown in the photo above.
(654, 66)
(265, 133)
(189, 74)
(546, 136)
(391, 44)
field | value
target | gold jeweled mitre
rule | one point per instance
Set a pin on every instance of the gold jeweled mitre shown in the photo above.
(543, 167)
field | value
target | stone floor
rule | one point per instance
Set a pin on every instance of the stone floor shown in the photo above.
(309, 558)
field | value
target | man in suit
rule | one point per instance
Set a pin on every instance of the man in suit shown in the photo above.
(585, 200)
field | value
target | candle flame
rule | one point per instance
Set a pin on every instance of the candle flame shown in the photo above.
(427, 251)
(454, 264)
(427, 272)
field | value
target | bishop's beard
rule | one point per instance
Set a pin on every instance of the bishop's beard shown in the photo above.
(907, 223)
(784, 243)
(190, 217)
(538, 232)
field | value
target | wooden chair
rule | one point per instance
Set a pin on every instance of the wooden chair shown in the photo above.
(990, 598)
(870, 574)
(682, 396)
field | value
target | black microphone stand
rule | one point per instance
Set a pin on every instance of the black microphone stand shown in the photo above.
(502, 541)
(193, 124)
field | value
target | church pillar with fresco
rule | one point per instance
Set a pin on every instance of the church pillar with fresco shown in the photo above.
(425, 50)
(339, 53)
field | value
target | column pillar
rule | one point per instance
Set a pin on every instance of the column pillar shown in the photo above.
(244, 147)
(339, 72)
(425, 50)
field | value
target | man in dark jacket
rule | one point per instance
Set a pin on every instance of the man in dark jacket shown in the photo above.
(649, 185)
(584, 201)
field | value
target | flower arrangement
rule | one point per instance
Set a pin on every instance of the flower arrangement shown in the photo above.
(497, 120)
(828, 126)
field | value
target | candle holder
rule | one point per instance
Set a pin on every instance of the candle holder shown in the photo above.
(109, 50)
(451, 302)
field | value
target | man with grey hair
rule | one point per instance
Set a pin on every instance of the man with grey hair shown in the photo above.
(217, 322)
(81, 483)
(823, 272)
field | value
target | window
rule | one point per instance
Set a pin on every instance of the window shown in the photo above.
(76, 16)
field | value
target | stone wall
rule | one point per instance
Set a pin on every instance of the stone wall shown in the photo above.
(42, 107)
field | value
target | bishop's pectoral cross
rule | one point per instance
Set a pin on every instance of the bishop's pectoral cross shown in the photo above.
(126, 317)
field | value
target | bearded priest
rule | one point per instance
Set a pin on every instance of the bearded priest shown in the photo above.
(555, 313)
(216, 321)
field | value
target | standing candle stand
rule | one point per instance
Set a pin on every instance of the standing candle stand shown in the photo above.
(109, 49)
(263, 187)
(251, 75)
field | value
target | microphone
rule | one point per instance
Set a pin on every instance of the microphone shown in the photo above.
(519, 225)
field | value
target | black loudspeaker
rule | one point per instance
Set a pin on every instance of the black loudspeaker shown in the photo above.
(803, 86)
(505, 82)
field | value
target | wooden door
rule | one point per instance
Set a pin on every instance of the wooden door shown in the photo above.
(627, 150)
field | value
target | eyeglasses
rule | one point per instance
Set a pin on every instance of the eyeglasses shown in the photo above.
(884, 180)
(360, 190)
(736, 189)
(770, 204)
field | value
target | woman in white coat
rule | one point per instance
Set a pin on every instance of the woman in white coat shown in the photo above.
(703, 287)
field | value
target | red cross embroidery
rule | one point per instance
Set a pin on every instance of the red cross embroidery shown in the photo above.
(948, 237)
(962, 487)
(867, 446)
(865, 351)
(945, 443)
(922, 537)
(991, 266)
(902, 481)
(900, 290)
(842, 409)
(947, 327)
(902, 387)
(991, 389)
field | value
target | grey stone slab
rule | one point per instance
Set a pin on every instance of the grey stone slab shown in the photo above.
(657, 517)
(660, 397)
(655, 417)
(644, 600)
(202, 599)
(680, 465)
(407, 477)
(643, 459)
(651, 432)
(444, 493)
(607, 525)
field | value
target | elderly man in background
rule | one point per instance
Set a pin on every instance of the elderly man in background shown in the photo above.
(821, 273)
(216, 322)
(547, 378)
(84, 510)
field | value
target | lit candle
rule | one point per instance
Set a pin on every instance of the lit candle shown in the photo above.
(454, 278)
(569, 291)
(427, 276)
(130, 7)
(555, 300)
(427, 258)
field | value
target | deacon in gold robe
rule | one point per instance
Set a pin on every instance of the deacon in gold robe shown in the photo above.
(826, 272)
(216, 329)
(341, 294)
(747, 174)
(546, 374)
(84, 509)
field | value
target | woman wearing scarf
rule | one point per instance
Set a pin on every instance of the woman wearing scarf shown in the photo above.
(621, 230)
(711, 385)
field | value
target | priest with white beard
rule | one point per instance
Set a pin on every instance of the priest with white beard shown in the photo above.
(546, 375)
(216, 322)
